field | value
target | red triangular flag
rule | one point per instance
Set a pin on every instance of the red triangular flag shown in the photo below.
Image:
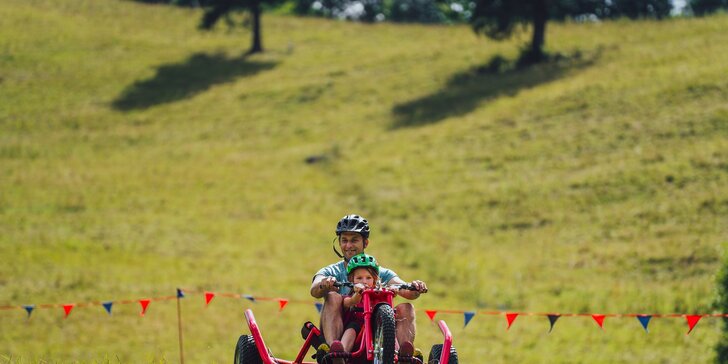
(144, 304)
(67, 309)
(282, 302)
(208, 297)
(692, 321)
(599, 319)
(510, 317)
(431, 314)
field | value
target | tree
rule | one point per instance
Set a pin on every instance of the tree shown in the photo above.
(359, 10)
(641, 8)
(421, 11)
(219, 9)
(705, 7)
(584, 9)
(721, 304)
(416, 11)
(498, 19)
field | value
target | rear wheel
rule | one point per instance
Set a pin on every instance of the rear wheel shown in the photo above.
(246, 352)
(384, 331)
(436, 353)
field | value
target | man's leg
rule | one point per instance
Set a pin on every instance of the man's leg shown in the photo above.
(331, 323)
(404, 314)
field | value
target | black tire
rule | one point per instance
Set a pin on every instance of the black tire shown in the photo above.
(436, 353)
(383, 335)
(246, 352)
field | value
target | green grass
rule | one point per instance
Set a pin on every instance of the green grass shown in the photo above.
(138, 155)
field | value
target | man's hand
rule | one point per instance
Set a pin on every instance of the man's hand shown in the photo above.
(323, 285)
(420, 285)
(327, 285)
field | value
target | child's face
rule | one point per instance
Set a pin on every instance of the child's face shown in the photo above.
(363, 276)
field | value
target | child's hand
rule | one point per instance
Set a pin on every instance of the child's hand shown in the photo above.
(359, 287)
(393, 289)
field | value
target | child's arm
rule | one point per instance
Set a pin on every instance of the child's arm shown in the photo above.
(354, 299)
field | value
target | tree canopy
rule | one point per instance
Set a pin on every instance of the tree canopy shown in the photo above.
(498, 19)
(419, 11)
(219, 9)
(704, 7)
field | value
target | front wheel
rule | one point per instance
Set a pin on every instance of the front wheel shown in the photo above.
(436, 353)
(383, 335)
(246, 352)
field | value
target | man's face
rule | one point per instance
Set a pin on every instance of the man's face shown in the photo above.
(351, 244)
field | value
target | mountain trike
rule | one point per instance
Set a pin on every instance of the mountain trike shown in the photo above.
(374, 344)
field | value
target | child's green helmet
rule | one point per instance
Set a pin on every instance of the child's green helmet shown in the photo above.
(362, 261)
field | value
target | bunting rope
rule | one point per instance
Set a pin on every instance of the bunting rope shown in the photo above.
(643, 318)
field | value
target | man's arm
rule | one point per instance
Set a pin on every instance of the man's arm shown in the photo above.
(410, 295)
(322, 285)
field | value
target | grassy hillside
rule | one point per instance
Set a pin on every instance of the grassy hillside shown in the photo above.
(138, 155)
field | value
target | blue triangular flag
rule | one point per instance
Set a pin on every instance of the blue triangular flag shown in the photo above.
(107, 306)
(644, 320)
(319, 306)
(552, 321)
(249, 297)
(180, 294)
(468, 316)
(29, 308)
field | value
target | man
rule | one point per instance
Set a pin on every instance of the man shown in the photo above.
(353, 236)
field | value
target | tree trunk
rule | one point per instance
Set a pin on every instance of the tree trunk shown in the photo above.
(257, 43)
(540, 16)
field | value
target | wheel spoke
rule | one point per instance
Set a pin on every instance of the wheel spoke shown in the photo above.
(384, 332)
(378, 350)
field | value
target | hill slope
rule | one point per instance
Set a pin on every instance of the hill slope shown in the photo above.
(139, 155)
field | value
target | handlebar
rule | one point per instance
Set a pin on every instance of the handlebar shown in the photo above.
(398, 286)
(408, 287)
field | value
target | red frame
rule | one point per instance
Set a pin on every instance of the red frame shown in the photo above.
(372, 298)
(445, 356)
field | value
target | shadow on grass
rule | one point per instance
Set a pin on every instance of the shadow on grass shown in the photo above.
(465, 90)
(174, 82)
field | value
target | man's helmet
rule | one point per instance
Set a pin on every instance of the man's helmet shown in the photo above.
(362, 261)
(354, 224)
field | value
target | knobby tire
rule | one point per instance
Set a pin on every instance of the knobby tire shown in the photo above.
(384, 334)
(436, 353)
(246, 352)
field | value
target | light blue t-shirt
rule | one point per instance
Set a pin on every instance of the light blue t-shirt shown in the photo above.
(338, 271)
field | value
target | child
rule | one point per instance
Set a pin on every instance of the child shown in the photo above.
(363, 271)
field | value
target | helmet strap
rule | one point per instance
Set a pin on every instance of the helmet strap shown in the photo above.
(333, 246)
